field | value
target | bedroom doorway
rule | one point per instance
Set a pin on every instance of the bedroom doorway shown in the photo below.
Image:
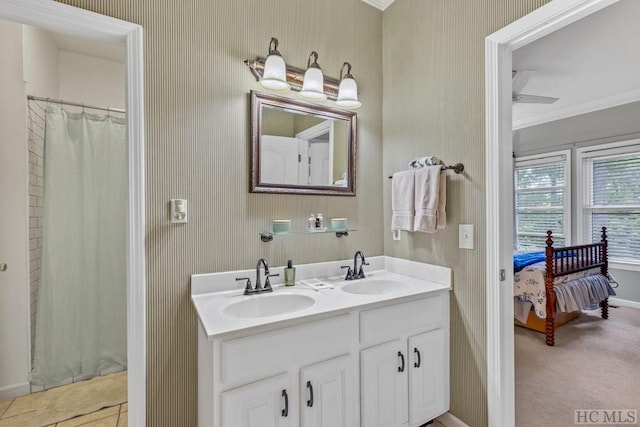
(499, 178)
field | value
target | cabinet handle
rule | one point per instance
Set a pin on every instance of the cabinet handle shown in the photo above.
(285, 411)
(417, 353)
(401, 356)
(310, 401)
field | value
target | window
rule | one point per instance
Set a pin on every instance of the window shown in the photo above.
(542, 199)
(610, 178)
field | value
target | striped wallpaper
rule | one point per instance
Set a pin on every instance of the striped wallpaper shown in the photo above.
(197, 139)
(433, 68)
(431, 53)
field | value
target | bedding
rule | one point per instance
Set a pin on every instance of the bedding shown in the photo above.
(524, 259)
(528, 285)
(573, 278)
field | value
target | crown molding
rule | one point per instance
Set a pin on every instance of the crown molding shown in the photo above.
(379, 4)
(578, 109)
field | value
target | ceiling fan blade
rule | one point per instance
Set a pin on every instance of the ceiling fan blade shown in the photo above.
(520, 78)
(533, 99)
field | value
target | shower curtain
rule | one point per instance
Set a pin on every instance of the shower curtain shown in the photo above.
(81, 319)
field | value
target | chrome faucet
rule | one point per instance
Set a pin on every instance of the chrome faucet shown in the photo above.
(360, 272)
(356, 273)
(267, 275)
(248, 290)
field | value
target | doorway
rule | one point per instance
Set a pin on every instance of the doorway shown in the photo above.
(499, 178)
(57, 17)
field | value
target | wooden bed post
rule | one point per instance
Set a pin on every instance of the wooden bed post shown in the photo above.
(549, 327)
(604, 304)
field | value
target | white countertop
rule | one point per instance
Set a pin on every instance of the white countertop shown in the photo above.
(212, 293)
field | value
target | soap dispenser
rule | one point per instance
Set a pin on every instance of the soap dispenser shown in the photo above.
(289, 274)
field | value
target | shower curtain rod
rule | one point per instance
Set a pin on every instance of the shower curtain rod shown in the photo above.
(75, 104)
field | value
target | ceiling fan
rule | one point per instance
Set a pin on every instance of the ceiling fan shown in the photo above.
(519, 81)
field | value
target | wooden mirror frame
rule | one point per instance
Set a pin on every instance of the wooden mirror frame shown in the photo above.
(260, 99)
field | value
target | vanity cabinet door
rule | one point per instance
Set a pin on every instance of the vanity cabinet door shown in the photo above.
(428, 396)
(384, 385)
(265, 403)
(328, 396)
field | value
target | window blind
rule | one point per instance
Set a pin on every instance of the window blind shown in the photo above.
(612, 188)
(541, 200)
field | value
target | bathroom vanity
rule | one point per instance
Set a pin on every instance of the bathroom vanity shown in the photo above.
(367, 352)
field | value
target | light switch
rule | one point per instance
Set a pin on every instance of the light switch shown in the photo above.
(465, 236)
(396, 234)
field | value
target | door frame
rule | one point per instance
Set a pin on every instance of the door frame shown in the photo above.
(58, 17)
(499, 191)
(319, 130)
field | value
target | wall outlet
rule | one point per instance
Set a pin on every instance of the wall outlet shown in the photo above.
(465, 236)
(178, 208)
(396, 234)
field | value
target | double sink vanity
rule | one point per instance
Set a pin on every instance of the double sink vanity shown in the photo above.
(328, 352)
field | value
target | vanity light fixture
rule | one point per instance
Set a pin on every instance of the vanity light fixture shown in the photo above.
(274, 76)
(348, 90)
(313, 83)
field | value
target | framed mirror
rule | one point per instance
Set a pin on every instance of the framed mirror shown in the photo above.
(301, 148)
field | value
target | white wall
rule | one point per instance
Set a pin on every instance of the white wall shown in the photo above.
(90, 80)
(40, 62)
(14, 308)
(52, 72)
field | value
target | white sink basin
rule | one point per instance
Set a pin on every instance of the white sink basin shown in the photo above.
(268, 305)
(374, 286)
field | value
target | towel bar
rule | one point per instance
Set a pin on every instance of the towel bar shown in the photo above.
(457, 168)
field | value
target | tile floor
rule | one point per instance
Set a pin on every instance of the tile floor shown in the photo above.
(20, 411)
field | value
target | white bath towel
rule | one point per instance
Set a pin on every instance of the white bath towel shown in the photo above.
(441, 216)
(427, 197)
(402, 200)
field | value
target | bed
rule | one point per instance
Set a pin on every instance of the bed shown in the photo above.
(554, 286)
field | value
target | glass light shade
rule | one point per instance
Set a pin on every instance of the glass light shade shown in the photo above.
(348, 94)
(274, 76)
(313, 85)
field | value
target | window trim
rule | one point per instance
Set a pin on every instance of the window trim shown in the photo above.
(610, 149)
(540, 160)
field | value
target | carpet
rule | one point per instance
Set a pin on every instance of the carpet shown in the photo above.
(595, 364)
(66, 402)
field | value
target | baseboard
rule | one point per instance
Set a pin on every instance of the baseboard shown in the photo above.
(624, 303)
(14, 390)
(450, 420)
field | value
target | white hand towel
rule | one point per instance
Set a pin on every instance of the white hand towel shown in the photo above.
(427, 194)
(402, 200)
(441, 219)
